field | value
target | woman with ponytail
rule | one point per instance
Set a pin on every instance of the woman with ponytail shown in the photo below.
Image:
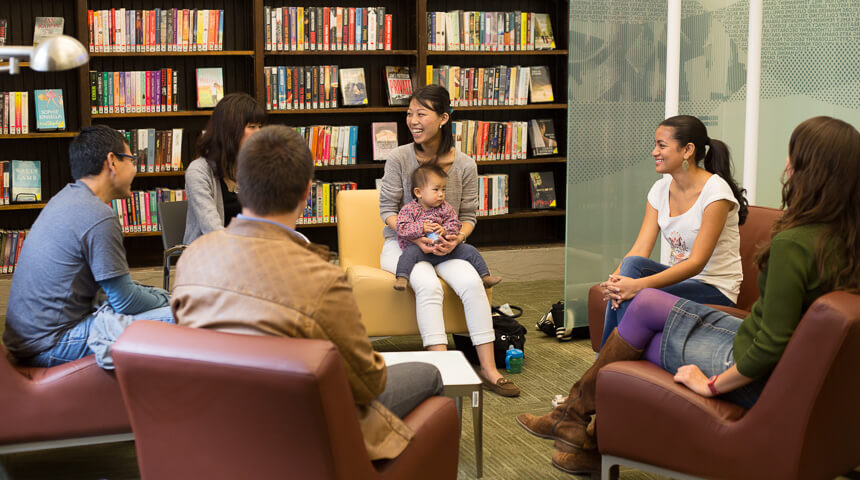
(429, 121)
(697, 208)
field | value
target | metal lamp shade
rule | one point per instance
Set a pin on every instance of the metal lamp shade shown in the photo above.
(58, 53)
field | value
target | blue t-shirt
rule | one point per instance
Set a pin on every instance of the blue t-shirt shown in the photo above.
(75, 243)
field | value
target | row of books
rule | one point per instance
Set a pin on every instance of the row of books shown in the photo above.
(499, 85)
(156, 150)
(138, 91)
(15, 111)
(331, 144)
(159, 30)
(327, 28)
(321, 206)
(21, 181)
(492, 194)
(10, 247)
(139, 213)
(292, 88)
(489, 31)
(491, 140)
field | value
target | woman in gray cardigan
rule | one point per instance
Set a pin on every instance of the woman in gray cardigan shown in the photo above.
(210, 180)
(428, 119)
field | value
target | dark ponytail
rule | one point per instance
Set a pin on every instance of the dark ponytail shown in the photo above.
(717, 160)
(436, 98)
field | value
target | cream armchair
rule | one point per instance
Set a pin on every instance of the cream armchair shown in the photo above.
(385, 311)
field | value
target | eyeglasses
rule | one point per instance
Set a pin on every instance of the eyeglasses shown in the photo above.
(125, 155)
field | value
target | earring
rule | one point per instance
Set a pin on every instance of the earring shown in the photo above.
(685, 165)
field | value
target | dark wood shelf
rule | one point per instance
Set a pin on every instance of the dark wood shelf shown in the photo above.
(357, 166)
(477, 53)
(530, 106)
(339, 110)
(552, 212)
(222, 53)
(527, 161)
(317, 225)
(276, 53)
(23, 206)
(26, 136)
(181, 113)
(180, 173)
(141, 234)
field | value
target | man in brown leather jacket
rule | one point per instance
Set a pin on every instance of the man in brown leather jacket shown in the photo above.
(260, 276)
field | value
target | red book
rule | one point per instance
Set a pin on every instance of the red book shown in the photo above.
(326, 28)
(388, 22)
(485, 133)
(509, 127)
(351, 44)
(90, 25)
(145, 207)
(112, 30)
(168, 101)
(124, 208)
(326, 145)
(147, 91)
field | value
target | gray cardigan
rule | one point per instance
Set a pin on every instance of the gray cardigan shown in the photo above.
(396, 188)
(205, 205)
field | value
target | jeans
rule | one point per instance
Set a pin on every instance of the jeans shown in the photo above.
(413, 254)
(639, 267)
(73, 344)
(409, 384)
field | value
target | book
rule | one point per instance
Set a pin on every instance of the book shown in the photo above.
(543, 32)
(542, 187)
(47, 27)
(25, 181)
(384, 139)
(398, 82)
(49, 109)
(542, 136)
(540, 86)
(210, 87)
(4, 31)
(353, 87)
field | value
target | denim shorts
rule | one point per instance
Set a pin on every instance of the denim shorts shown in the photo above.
(702, 336)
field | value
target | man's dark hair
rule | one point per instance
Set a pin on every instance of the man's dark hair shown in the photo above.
(273, 169)
(88, 151)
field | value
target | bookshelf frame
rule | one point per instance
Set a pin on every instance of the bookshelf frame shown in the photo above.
(244, 61)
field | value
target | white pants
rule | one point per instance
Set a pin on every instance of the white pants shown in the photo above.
(463, 279)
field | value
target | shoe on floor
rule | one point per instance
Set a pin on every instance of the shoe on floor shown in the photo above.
(576, 461)
(503, 387)
(400, 283)
(490, 280)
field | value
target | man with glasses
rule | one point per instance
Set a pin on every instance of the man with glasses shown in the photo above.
(73, 250)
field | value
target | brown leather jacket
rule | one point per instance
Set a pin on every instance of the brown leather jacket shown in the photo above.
(258, 278)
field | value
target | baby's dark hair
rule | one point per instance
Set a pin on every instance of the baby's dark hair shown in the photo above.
(422, 173)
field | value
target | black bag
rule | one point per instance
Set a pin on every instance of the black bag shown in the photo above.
(552, 323)
(508, 330)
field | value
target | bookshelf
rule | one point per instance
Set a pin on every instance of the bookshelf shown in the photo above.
(243, 59)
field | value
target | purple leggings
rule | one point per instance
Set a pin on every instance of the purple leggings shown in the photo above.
(642, 325)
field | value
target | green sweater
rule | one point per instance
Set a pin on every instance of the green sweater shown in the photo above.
(788, 287)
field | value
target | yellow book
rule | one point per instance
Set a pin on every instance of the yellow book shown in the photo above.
(326, 202)
(300, 28)
(200, 23)
(429, 74)
(524, 31)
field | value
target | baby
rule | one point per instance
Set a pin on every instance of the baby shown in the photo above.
(428, 214)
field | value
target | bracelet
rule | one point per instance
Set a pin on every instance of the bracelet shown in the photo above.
(464, 237)
(711, 385)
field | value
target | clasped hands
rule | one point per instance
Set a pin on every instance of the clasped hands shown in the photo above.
(618, 288)
(443, 246)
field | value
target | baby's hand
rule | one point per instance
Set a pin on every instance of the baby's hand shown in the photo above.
(440, 230)
(428, 226)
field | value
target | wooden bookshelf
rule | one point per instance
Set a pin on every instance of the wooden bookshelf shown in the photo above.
(243, 59)
(23, 206)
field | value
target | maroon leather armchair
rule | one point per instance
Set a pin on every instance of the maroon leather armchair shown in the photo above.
(214, 405)
(753, 234)
(77, 403)
(804, 425)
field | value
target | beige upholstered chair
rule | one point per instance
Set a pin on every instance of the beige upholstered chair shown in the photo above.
(385, 311)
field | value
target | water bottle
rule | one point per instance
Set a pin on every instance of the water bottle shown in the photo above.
(514, 360)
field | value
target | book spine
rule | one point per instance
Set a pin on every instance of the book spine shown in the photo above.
(388, 26)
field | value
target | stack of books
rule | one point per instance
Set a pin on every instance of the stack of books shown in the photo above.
(160, 30)
(327, 28)
(15, 113)
(151, 91)
(491, 140)
(488, 31)
(156, 150)
(492, 194)
(331, 144)
(321, 206)
(139, 213)
(299, 88)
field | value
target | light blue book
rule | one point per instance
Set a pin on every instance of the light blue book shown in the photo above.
(220, 45)
(150, 158)
(26, 181)
(353, 143)
(282, 88)
(49, 109)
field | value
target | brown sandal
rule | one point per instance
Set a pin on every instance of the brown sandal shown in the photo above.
(503, 387)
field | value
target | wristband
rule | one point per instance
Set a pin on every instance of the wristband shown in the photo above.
(711, 386)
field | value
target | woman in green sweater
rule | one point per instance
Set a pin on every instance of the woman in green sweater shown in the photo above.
(813, 251)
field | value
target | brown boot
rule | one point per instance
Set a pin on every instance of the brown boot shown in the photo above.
(577, 461)
(570, 419)
(490, 280)
(400, 283)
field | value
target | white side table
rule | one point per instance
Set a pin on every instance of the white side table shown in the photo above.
(460, 380)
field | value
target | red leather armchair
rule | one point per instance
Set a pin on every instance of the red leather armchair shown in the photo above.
(753, 234)
(214, 405)
(804, 425)
(73, 404)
